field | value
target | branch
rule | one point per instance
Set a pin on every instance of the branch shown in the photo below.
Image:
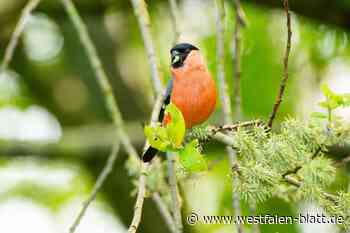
(163, 209)
(240, 21)
(226, 104)
(174, 9)
(175, 196)
(143, 18)
(220, 60)
(176, 206)
(140, 9)
(227, 140)
(233, 127)
(237, 57)
(100, 180)
(297, 168)
(285, 62)
(140, 199)
(101, 75)
(10, 49)
(144, 169)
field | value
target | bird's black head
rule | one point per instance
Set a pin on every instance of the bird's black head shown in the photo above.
(179, 53)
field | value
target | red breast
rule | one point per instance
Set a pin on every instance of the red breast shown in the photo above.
(194, 91)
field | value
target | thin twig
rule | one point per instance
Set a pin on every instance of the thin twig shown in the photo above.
(233, 127)
(285, 63)
(293, 181)
(174, 11)
(297, 168)
(100, 180)
(176, 203)
(101, 75)
(163, 209)
(140, 9)
(10, 49)
(220, 16)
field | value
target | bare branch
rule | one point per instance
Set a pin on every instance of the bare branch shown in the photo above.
(176, 205)
(225, 98)
(101, 75)
(143, 18)
(285, 63)
(220, 59)
(233, 127)
(144, 169)
(140, 9)
(140, 199)
(163, 209)
(175, 196)
(237, 58)
(174, 10)
(100, 180)
(10, 49)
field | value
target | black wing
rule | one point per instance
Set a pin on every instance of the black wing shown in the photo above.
(151, 151)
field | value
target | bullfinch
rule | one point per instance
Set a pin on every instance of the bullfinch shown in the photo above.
(191, 89)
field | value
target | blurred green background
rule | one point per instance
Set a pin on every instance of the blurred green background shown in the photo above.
(55, 132)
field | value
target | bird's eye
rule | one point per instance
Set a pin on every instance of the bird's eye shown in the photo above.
(175, 59)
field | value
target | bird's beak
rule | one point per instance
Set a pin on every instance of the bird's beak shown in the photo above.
(175, 57)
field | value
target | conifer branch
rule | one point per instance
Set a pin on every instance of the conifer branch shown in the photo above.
(225, 98)
(285, 67)
(99, 182)
(19, 28)
(142, 15)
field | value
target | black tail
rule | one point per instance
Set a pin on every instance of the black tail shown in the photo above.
(149, 154)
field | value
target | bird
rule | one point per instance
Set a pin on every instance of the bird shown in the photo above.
(191, 89)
